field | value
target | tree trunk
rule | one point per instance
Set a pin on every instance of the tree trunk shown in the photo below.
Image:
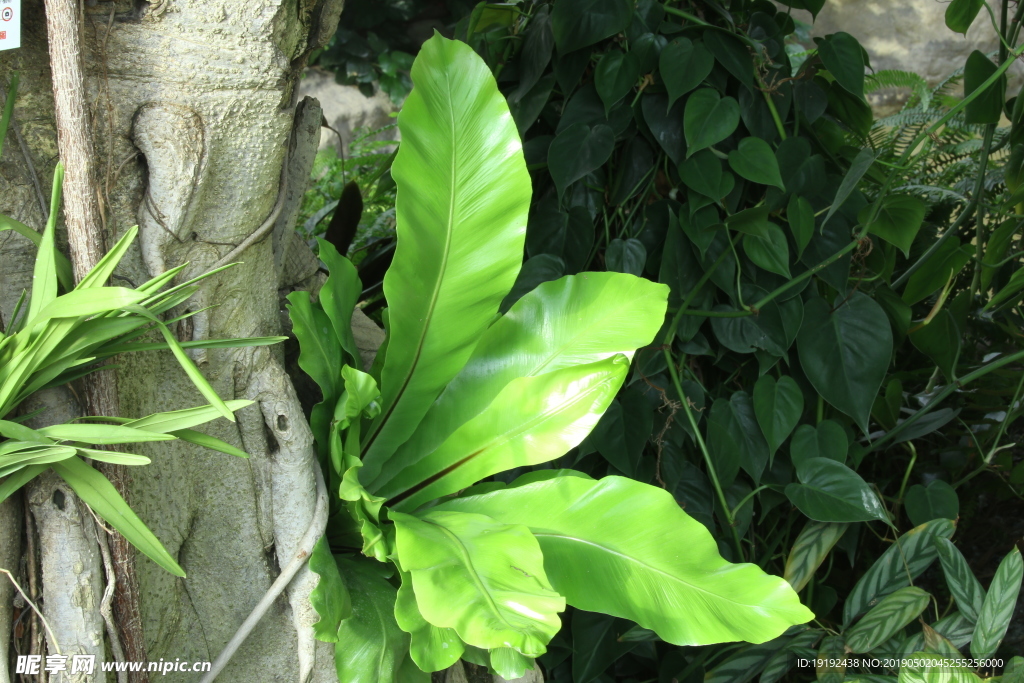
(199, 139)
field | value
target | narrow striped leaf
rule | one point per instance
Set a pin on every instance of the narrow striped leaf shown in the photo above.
(196, 344)
(964, 586)
(924, 667)
(99, 494)
(886, 618)
(904, 560)
(810, 550)
(746, 663)
(997, 609)
(955, 627)
(831, 660)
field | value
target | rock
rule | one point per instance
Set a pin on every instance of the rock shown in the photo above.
(347, 110)
(909, 36)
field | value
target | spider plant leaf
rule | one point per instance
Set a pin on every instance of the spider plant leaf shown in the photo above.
(101, 272)
(99, 494)
(44, 274)
(463, 198)
(101, 434)
(15, 481)
(164, 423)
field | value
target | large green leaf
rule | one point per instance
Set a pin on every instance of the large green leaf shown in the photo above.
(577, 151)
(482, 578)
(330, 598)
(432, 648)
(371, 647)
(845, 352)
(99, 494)
(338, 297)
(463, 198)
(960, 14)
(829, 491)
(624, 548)
(903, 561)
(320, 357)
(997, 609)
(532, 420)
(891, 614)
(844, 58)
(575, 320)
(987, 107)
(897, 220)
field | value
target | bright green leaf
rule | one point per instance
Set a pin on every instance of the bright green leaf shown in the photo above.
(668, 577)
(484, 579)
(330, 598)
(431, 647)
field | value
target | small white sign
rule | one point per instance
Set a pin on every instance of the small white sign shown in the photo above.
(10, 24)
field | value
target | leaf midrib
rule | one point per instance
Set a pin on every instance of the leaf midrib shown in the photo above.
(629, 558)
(449, 228)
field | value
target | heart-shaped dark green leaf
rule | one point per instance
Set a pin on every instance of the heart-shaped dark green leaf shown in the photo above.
(947, 260)
(988, 106)
(708, 119)
(940, 341)
(830, 491)
(898, 219)
(734, 438)
(800, 215)
(626, 256)
(578, 150)
(615, 75)
(936, 501)
(754, 160)
(960, 14)
(770, 251)
(702, 172)
(732, 54)
(666, 125)
(843, 56)
(683, 65)
(826, 440)
(582, 23)
(845, 352)
(777, 405)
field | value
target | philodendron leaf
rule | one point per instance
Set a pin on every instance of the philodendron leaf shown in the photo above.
(483, 578)
(532, 420)
(845, 352)
(682, 66)
(903, 561)
(578, 150)
(624, 548)
(330, 598)
(572, 321)
(829, 491)
(463, 198)
(754, 160)
(938, 500)
(997, 609)
(777, 405)
(371, 648)
(708, 119)
(891, 614)
(897, 220)
(99, 494)
(960, 14)
(432, 648)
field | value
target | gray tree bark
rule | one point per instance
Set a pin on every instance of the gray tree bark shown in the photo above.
(198, 134)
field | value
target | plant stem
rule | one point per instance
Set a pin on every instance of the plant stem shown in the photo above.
(979, 219)
(730, 520)
(906, 475)
(771, 105)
